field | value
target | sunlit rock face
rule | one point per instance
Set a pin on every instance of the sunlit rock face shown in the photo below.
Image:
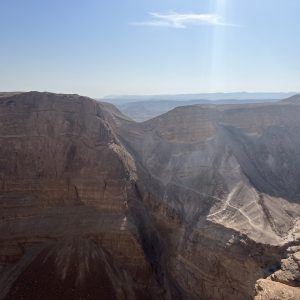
(198, 203)
(222, 183)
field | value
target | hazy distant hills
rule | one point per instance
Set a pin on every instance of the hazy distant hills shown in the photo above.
(206, 96)
(143, 107)
(294, 99)
(7, 94)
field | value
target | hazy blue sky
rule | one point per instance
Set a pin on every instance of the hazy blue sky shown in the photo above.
(100, 47)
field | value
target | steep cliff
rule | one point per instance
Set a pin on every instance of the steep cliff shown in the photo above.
(222, 183)
(66, 182)
(198, 203)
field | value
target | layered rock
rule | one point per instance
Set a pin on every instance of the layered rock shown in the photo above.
(198, 203)
(66, 182)
(224, 182)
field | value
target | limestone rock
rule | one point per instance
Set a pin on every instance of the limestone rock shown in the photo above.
(227, 175)
(66, 182)
(270, 290)
(199, 203)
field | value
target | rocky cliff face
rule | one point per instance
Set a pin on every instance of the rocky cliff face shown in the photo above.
(66, 182)
(198, 203)
(222, 183)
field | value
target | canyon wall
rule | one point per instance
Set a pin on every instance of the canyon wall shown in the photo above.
(199, 203)
(66, 183)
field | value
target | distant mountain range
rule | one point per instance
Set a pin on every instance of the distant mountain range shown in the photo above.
(143, 107)
(203, 96)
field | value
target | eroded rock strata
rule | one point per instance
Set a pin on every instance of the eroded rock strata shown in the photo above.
(66, 182)
(199, 203)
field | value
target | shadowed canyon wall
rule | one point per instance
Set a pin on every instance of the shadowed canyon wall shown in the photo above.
(199, 203)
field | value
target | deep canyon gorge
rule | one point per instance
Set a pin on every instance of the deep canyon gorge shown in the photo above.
(202, 202)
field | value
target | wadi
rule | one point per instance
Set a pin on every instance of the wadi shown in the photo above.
(201, 202)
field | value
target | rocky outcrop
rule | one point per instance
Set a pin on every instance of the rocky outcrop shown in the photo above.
(199, 203)
(270, 290)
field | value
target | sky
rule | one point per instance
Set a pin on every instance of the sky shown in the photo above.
(109, 47)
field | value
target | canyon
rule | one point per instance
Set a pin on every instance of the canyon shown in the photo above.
(202, 202)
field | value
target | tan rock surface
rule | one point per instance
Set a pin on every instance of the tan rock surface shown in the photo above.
(270, 290)
(225, 190)
(199, 203)
(65, 186)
